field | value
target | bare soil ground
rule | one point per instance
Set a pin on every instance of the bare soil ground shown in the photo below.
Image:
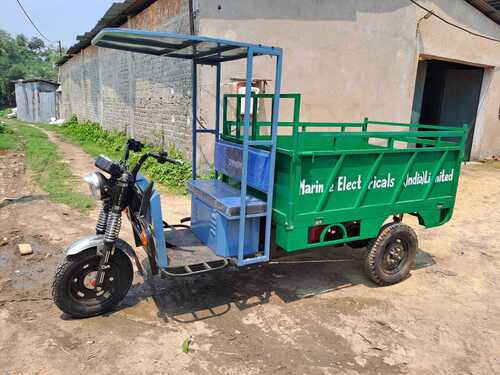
(316, 318)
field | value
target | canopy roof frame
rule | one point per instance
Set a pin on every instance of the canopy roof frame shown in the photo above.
(177, 45)
(194, 48)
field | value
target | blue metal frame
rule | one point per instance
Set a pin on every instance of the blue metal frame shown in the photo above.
(185, 46)
(156, 221)
(242, 261)
(246, 143)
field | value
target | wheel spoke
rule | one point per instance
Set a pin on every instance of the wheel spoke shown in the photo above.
(394, 255)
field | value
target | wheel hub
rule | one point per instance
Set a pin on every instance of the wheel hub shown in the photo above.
(394, 256)
(84, 283)
(90, 280)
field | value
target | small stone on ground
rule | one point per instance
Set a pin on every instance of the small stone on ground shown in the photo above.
(25, 248)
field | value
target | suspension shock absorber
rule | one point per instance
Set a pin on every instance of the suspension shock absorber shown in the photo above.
(102, 220)
(113, 226)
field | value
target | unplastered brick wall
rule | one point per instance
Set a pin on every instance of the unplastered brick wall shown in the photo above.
(147, 97)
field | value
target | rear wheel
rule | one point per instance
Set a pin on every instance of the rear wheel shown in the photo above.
(74, 288)
(392, 254)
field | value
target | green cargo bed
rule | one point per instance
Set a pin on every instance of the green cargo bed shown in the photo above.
(338, 182)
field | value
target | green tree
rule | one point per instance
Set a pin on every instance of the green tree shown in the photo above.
(36, 44)
(21, 58)
(21, 40)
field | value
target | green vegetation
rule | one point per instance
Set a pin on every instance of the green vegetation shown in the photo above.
(4, 111)
(47, 165)
(95, 140)
(494, 162)
(7, 137)
(22, 58)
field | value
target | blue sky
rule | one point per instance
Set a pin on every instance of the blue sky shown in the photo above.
(57, 19)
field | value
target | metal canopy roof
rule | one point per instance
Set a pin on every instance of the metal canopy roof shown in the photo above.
(203, 50)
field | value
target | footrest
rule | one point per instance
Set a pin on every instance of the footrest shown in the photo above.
(194, 269)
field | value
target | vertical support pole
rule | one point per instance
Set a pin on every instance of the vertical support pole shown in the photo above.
(463, 144)
(255, 131)
(274, 137)
(194, 110)
(217, 105)
(238, 116)
(244, 171)
(225, 126)
(296, 123)
(217, 100)
(365, 124)
(365, 129)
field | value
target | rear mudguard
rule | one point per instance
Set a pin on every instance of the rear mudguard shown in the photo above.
(97, 240)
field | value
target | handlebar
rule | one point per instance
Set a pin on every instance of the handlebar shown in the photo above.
(161, 157)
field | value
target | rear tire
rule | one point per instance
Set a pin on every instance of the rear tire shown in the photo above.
(392, 254)
(73, 289)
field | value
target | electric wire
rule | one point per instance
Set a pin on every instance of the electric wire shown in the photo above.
(33, 23)
(453, 24)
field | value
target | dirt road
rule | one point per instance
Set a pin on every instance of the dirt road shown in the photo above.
(319, 318)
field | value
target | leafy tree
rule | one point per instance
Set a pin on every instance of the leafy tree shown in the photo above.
(36, 44)
(21, 58)
(21, 40)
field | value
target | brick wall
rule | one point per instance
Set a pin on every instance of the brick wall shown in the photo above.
(146, 96)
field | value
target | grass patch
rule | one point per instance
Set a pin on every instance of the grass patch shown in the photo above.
(492, 163)
(50, 173)
(94, 140)
(4, 111)
(8, 139)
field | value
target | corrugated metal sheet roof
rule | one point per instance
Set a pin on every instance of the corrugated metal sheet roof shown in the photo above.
(36, 80)
(491, 8)
(115, 16)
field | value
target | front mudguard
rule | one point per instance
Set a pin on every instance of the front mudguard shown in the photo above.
(97, 240)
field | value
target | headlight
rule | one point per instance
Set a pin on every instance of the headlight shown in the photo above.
(98, 185)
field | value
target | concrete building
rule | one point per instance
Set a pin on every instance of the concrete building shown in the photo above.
(386, 60)
(36, 100)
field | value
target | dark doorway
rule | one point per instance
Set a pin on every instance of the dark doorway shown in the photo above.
(447, 94)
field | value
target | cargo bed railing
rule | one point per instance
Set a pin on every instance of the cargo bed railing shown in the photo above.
(389, 134)
(312, 156)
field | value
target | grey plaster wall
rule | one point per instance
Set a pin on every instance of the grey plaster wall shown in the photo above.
(358, 58)
(349, 59)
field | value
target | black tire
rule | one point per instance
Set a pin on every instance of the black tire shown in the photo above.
(392, 254)
(70, 289)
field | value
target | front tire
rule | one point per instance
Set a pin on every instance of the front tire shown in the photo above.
(392, 254)
(73, 289)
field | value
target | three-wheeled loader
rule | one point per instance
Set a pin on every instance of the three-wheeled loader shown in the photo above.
(310, 184)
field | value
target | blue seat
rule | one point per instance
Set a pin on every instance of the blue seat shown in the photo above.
(228, 161)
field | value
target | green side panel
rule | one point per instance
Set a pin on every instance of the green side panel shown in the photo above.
(339, 182)
(282, 186)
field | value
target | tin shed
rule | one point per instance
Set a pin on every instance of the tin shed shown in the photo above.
(36, 100)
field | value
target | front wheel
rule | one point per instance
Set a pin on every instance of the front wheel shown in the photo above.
(74, 288)
(392, 254)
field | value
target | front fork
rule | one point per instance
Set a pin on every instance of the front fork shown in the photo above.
(111, 217)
